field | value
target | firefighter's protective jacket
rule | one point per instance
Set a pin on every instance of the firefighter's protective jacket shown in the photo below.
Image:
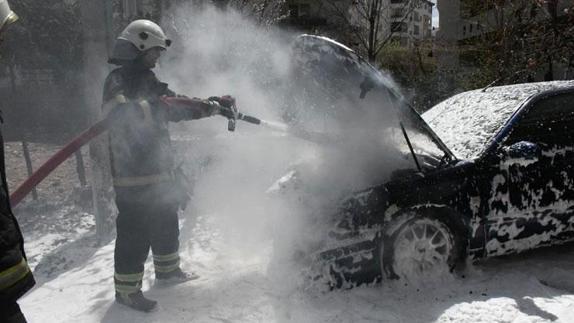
(15, 275)
(140, 146)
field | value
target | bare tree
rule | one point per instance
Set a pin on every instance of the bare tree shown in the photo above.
(518, 40)
(265, 12)
(372, 23)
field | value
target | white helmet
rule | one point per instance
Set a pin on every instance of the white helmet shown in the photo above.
(137, 37)
(145, 34)
(7, 16)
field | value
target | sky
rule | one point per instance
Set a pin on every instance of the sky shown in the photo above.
(435, 17)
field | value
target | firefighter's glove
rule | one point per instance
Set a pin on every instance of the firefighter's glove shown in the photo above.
(227, 106)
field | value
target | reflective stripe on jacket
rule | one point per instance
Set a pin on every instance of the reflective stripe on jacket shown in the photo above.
(11, 276)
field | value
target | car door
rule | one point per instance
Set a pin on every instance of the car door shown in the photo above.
(535, 179)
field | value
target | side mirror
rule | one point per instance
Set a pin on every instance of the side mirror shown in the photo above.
(523, 150)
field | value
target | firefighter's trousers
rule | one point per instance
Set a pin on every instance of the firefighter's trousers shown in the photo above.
(10, 313)
(145, 220)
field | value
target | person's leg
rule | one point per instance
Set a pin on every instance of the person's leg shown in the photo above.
(11, 313)
(131, 251)
(164, 236)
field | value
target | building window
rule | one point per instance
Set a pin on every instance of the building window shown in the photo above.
(399, 27)
(398, 13)
(299, 10)
(417, 30)
(129, 8)
(293, 11)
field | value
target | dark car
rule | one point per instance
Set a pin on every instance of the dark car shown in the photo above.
(493, 174)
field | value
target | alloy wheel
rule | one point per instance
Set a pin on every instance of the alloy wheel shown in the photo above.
(422, 248)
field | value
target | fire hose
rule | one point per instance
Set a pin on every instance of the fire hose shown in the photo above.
(41, 173)
(63, 154)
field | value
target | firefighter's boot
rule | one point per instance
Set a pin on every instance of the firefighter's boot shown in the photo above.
(174, 277)
(137, 301)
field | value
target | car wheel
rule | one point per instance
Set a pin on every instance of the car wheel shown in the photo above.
(423, 247)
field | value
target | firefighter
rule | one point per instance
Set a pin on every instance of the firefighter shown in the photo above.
(139, 108)
(15, 275)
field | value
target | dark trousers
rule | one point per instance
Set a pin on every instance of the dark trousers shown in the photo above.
(145, 220)
(10, 313)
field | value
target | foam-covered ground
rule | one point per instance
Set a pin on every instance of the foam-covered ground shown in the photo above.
(237, 286)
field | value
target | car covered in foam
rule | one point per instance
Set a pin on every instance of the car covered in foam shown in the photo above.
(501, 182)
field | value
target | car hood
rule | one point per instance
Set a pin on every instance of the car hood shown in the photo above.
(335, 88)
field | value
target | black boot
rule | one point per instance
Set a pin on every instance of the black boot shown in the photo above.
(137, 301)
(174, 277)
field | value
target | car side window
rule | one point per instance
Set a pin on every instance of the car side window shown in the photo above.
(549, 122)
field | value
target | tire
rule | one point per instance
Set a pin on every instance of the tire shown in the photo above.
(423, 247)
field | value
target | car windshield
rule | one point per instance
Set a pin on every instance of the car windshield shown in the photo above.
(427, 147)
(468, 121)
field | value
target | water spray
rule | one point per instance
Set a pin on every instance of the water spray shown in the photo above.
(316, 137)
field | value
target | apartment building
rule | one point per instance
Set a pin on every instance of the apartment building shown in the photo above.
(140, 8)
(312, 15)
(407, 21)
(410, 20)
